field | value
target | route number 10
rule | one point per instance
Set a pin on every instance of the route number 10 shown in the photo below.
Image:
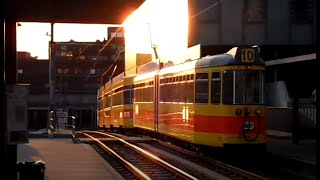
(247, 55)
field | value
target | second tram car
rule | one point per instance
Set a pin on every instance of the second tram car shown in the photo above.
(116, 103)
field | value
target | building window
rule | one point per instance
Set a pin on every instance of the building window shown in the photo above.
(59, 71)
(207, 11)
(255, 11)
(66, 70)
(20, 71)
(301, 11)
(66, 53)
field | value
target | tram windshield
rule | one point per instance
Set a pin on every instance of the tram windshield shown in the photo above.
(243, 87)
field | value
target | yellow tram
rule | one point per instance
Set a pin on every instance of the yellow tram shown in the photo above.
(213, 101)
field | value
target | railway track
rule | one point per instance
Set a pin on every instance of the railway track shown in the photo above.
(141, 163)
(197, 161)
(173, 162)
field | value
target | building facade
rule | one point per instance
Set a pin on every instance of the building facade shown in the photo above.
(77, 71)
(263, 22)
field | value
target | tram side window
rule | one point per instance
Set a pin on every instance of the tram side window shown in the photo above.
(128, 94)
(151, 94)
(137, 94)
(202, 88)
(114, 99)
(190, 92)
(215, 88)
(100, 104)
(227, 87)
(105, 102)
(121, 99)
(162, 93)
(182, 91)
(175, 92)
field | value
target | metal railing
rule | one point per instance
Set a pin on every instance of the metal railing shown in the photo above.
(308, 111)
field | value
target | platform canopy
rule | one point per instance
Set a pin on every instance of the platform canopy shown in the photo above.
(71, 11)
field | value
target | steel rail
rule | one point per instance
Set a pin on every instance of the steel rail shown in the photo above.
(140, 150)
(130, 166)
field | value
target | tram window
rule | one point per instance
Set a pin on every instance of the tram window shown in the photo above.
(143, 94)
(121, 97)
(215, 88)
(105, 102)
(175, 92)
(146, 94)
(136, 94)
(100, 104)
(162, 93)
(128, 96)
(202, 86)
(183, 92)
(151, 93)
(170, 89)
(190, 92)
(113, 100)
(108, 100)
(139, 95)
(228, 87)
(243, 87)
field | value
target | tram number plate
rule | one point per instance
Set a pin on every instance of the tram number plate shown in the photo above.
(247, 55)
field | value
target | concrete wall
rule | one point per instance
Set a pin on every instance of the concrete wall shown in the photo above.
(279, 119)
(277, 22)
(276, 29)
(231, 22)
(85, 100)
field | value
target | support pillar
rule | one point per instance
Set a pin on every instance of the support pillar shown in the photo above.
(10, 78)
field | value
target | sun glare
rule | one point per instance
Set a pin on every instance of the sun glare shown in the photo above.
(160, 23)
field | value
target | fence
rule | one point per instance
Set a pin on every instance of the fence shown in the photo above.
(308, 111)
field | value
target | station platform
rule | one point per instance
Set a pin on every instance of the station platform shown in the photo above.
(66, 160)
(281, 143)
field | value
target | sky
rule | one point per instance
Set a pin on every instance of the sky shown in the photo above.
(35, 37)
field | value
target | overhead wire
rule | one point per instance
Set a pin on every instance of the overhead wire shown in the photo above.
(206, 9)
